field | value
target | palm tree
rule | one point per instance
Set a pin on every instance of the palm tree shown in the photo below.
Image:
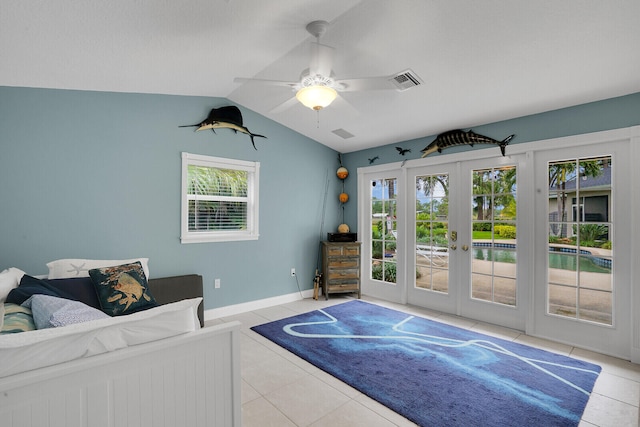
(561, 173)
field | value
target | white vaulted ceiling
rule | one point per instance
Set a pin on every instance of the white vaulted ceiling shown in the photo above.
(479, 61)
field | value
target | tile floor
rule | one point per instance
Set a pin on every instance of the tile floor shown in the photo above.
(279, 389)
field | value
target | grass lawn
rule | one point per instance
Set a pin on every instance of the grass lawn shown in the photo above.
(481, 235)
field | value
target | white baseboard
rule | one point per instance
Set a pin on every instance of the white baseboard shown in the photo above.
(230, 310)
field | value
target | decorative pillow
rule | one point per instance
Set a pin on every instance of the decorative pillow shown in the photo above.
(17, 319)
(80, 288)
(122, 289)
(9, 279)
(30, 286)
(53, 312)
(65, 268)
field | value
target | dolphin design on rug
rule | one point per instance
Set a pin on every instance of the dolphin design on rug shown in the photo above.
(459, 137)
(228, 117)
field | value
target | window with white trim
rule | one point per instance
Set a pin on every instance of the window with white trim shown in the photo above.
(219, 199)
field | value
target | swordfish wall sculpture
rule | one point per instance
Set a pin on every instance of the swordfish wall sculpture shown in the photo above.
(228, 117)
(456, 137)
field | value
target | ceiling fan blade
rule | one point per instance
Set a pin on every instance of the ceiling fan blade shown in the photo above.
(291, 85)
(368, 83)
(321, 60)
(284, 106)
(345, 106)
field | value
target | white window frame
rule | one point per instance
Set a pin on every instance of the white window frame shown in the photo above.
(253, 169)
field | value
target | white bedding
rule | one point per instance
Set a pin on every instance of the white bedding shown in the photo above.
(27, 351)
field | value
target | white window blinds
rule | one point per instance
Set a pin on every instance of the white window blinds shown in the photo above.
(219, 199)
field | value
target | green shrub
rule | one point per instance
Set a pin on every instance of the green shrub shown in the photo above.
(439, 232)
(389, 272)
(481, 226)
(505, 231)
(554, 239)
(592, 232)
(376, 249)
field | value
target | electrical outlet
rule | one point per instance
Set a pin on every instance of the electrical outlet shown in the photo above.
(216, 283)
(293, 272)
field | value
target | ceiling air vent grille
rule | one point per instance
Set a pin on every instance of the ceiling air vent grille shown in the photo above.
(343, 133)
(405, 80)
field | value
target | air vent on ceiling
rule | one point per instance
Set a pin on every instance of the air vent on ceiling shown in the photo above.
(343, 133)
(405, 80)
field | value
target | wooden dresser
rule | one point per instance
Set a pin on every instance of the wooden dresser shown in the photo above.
(340, 268)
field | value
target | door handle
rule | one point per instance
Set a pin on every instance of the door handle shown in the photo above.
(465, 248)
(454, 236)
(453, 247)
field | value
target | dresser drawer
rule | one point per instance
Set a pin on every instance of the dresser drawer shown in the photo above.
(343, 263)
(343, 273)
(340, 250)
(344, 287)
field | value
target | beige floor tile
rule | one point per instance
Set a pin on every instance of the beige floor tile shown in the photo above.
(248, 393)
(352, 414)
(301, 363)
(247, 319)
(496, 331)
(342, 387)
(213, 322)
(261, 413)
(460, 322)
(384, 412)
(615, 387)
(411, 309)
(272, 374)
(276, 313)
(307, 400)
(612, 365)
(606, 412)
(253, 352)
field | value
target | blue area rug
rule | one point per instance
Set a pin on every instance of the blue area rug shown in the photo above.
(435, 374)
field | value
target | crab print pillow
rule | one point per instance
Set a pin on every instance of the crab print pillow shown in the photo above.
(122, 289)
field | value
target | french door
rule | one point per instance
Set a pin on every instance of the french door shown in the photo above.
(463, 245)
(542, 240)
(584, 209)
(382, 237)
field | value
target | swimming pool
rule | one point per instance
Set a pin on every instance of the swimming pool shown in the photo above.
(561, 259)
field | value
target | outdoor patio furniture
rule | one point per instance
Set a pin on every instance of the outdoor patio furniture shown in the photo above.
(436, 255)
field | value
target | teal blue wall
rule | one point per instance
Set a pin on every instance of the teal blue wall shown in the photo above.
(97, 175)
(608, 114)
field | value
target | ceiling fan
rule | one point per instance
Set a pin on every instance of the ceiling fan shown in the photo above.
(318, 86)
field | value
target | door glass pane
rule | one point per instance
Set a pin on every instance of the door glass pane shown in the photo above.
(382, 265)
(580, 281)
(432, 230)
(493, 226)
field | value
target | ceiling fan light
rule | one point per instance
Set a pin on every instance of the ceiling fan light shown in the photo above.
(316, 97)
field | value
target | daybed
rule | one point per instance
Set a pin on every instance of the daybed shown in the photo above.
(158, 375)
